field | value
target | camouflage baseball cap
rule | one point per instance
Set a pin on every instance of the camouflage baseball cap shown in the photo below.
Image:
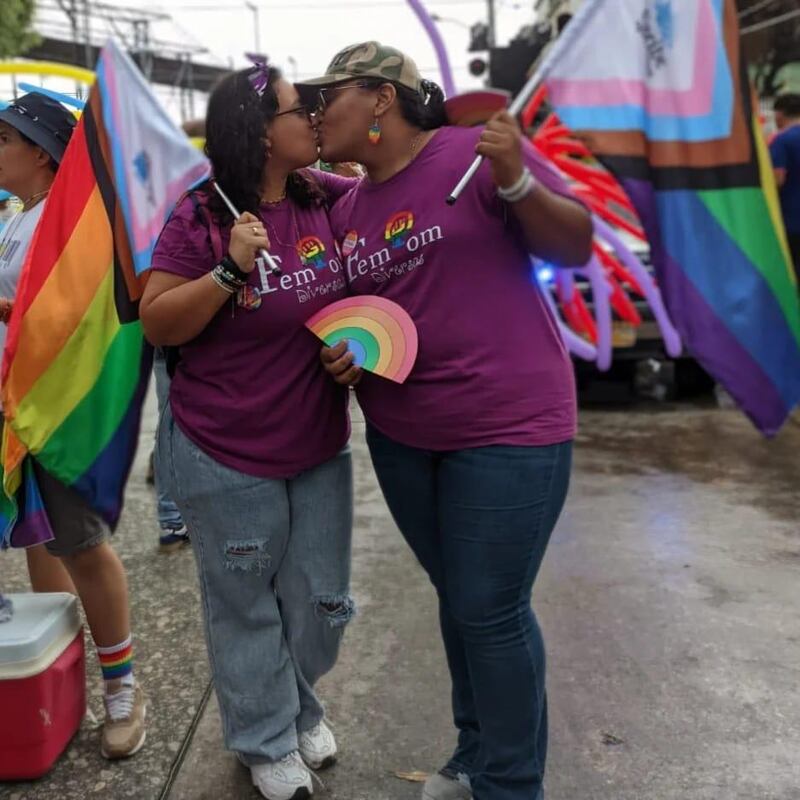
(369, 60)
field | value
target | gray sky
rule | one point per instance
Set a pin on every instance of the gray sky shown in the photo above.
(311, 31)
(302, 35)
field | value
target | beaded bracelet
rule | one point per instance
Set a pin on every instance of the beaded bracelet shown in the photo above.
(221, 282)
(226, 280)
(519, 190)
(234, 269)
(229, 276)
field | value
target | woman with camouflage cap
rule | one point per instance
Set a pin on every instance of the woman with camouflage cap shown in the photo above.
(473, 451)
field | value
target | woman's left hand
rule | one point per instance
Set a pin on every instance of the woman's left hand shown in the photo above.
(338, 363)
(501, 143)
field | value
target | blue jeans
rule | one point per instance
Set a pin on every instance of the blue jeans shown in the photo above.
(273, 560)
(479, 521)
(168, 514)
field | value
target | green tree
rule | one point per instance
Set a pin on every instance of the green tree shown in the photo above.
(771, 38)
(16, 20)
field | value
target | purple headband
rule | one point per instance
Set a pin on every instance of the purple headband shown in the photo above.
(259, 76)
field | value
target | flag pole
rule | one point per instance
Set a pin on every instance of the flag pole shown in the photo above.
(521, 100)
(274, 269)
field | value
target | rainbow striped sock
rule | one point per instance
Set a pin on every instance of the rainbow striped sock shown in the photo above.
(117, 661)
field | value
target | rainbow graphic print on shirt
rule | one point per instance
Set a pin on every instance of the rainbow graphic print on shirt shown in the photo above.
(398, 228)
(312, 252)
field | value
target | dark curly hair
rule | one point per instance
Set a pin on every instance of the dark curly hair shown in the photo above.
(425, 110)
(236, 143)
(789, 104)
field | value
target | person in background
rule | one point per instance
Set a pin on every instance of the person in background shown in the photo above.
(34, 178)
(174, 533)
(785, 152)
(34, 133)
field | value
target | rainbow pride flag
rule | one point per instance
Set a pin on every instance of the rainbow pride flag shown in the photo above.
(76, 366)
(659, 91)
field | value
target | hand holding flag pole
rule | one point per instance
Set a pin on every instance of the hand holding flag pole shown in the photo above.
(516, 107)
(272, 265)
(528, 90)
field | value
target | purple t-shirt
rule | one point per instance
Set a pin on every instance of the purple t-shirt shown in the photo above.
(492, 368)
(250, 390)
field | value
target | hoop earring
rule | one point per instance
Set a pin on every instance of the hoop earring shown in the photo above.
(375, 132)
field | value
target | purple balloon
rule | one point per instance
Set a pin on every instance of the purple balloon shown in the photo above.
(601, 294)
(671, 337)
(438, 44)
(593, 272)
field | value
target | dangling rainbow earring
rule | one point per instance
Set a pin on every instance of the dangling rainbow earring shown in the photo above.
(375, 132)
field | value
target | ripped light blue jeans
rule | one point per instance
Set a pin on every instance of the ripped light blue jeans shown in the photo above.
(273, 559)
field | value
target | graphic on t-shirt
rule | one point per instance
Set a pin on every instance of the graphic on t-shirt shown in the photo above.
(319, 274)
(398, 227)
(312, 252)
(249, 297)
(383, 262)
(7, 251)
(350, 243)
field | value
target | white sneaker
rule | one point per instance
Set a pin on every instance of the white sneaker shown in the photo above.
(287, 779)
(318, 747)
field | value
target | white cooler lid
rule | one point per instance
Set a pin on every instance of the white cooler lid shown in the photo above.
(41, 626)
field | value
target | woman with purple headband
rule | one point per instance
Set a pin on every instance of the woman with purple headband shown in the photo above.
(253, 443)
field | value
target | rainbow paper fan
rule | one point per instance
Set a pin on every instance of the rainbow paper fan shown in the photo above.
(380, 334)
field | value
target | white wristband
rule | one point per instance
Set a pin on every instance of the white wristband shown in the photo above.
(519, 190)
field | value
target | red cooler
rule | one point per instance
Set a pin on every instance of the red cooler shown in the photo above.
(42, 683)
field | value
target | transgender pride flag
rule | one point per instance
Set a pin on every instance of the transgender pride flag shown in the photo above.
(151, 161)
(76, 366)
(659, 91)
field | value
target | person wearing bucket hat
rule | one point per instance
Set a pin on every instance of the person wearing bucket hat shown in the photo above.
(34, 134)
(473, 451)
(43, 122)
(28, 164)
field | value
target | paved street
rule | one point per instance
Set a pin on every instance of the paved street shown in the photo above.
(669, 600)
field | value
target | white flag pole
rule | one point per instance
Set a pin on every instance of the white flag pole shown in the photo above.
(271, 263)
(521, 100)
